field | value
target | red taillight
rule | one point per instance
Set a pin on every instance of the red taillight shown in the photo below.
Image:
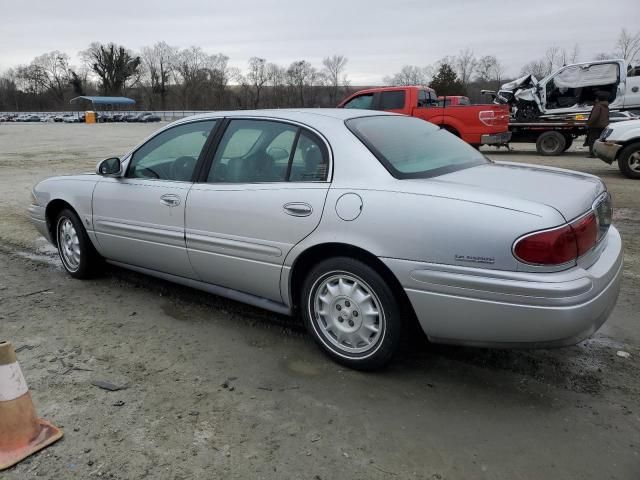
(586, 231)
(488, 117)
(559, 245)
(551, 247)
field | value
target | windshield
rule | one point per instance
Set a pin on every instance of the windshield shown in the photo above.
(413, 148)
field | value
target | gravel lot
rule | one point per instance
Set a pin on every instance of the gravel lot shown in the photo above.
(216, 389)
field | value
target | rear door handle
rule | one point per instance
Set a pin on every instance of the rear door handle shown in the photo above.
(170, 200)
(298, 209)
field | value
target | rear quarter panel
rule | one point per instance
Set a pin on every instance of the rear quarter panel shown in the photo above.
(425, 228)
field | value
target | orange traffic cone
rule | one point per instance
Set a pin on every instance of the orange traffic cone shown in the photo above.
(22, 433)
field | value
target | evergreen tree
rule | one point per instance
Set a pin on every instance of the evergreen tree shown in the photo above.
(446, 82)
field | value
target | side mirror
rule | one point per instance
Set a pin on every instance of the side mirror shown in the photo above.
(109, 167)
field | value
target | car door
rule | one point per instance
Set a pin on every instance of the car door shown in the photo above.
(264, 192)
(138, 219)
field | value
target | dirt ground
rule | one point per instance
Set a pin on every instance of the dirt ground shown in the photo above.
(215, 389)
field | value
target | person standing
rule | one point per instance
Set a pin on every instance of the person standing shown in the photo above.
(597, 122)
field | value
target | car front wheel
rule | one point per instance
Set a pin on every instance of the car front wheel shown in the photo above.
(352, 313)
(629, 161)
(76, 251)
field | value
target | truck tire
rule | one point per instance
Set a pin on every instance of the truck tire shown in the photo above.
(629, 161)
(551, 144)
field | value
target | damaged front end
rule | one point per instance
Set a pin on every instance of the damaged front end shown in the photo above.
(570, 90)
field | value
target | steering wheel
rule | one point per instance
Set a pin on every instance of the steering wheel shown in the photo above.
(182, 168)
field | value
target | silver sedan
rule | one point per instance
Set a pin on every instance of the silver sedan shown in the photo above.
(360, 222)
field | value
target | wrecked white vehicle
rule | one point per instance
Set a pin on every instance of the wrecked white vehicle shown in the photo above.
(573, 89)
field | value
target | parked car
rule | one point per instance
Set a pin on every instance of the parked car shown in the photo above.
(361, 222)
(149, 117)
(620, 142)
(58, 118)
(475, 124)
(573, 88)
(131, 117)
(70, 119)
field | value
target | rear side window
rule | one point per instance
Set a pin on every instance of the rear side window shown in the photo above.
(392, 100)
(364, 101)
(409, 147)
(256, 151)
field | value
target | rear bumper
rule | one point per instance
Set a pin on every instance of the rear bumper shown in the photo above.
(606, 151)
(496, 138)
(482, 307)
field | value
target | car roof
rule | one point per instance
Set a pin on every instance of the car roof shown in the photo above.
(308, 115)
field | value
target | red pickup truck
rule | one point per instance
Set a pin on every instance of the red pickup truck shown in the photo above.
(475, 124)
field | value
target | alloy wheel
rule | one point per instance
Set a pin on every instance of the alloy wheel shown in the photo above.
(68, 244)
(347, 313)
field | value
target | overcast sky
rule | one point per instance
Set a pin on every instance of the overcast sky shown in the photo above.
(378, 37)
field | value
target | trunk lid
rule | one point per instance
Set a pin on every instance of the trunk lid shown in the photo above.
(570, 193)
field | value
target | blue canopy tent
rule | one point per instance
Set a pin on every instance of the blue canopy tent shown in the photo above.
(107, 103)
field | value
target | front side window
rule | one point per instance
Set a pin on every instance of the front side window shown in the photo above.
(254, 151)
(172, 154)
(392, 100)
(364, 101)
(409, 147)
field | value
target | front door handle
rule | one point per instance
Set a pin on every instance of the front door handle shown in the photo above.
(170, 200)
(298, 209)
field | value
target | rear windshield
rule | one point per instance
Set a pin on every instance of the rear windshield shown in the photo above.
(412, 148)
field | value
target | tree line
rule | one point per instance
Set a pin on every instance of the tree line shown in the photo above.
(163, 77)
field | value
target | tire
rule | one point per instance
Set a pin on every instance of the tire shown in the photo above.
(550, 143)
(629, 161)
(79, 257)
(333, 303)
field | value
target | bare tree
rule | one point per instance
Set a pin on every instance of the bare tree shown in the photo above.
(333, 68)
(300, 75)
(489, 69)
(189, 73)
(219, 74)
(257, 76)
(465, 64)
(114, 65)
(628, 46)
(158, 62)
(54, 72)
(554, 59)
(276, 79)
(409, 75)
(537, 68)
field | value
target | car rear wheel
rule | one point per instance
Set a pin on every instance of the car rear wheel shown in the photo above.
(551, 144)
(79, 257)
(352, 313)
(629, 161)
